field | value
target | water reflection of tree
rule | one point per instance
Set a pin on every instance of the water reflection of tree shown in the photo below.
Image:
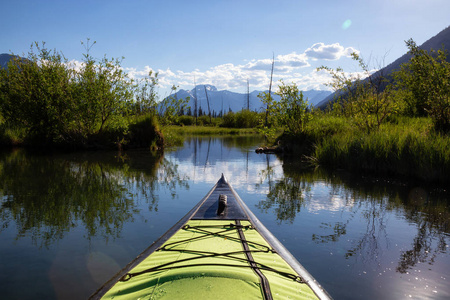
(242, 142)
(425, 248)
(432, 218)
(369, 246)
(426, 210)
(286, 197)
(374, 200)
(47, 196)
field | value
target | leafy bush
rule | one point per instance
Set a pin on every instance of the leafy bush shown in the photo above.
(186, 120)
(55, 103)
(241, 119)
(144, 132)
(229, 120)
(205, 120)
(426, 82)
(368, 102)
(292, 111)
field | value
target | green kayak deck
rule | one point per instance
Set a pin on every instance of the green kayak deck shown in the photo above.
(217, 251)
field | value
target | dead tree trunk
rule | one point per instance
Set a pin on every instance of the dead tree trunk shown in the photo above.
(270, 91)
(207, 100)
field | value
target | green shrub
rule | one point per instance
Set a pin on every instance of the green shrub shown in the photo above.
(186, 120)
(144, 132)
(57, 104)
(242, 119)
(425, 83)
(229, 120)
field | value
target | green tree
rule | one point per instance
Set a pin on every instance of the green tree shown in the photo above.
(104, 95)
(267, 122)
(36, 93)
(366, 99)
(172, 107)
(55, 103)
(426, 80)
(293, 112)
(145, 94)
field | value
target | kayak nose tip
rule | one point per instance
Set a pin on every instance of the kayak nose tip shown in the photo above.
(222, 179)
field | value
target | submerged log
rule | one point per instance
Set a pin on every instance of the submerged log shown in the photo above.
(269, 150)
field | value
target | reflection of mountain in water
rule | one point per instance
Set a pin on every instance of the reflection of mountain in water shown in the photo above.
(202, 151)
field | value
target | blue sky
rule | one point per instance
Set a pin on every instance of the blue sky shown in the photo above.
(224, 43)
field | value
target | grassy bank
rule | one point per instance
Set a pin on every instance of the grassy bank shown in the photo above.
(405, 146)
(134, 132)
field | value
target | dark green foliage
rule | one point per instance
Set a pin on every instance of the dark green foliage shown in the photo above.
(36, 94)
(205, 120)
(144, 132)
(51, 102)
(186, 120)
(229, 120)
(425, 80)
(241, 119)
(367, 102)
(293, 112)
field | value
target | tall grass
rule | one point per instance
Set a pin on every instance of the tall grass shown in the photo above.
(406, 146)
(144, 131)
(11, 136)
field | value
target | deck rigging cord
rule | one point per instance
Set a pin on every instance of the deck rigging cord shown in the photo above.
(206, 254)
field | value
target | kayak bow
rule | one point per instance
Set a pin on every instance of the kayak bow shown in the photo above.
(218, 250)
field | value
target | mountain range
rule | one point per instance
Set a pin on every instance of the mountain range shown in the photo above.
(442, 39)
(4, 59)
(224, 101)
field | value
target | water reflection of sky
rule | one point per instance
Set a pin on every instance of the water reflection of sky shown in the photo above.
(207, 161)
(92, 213)
(357, 241)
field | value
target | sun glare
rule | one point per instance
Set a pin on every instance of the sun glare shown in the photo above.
(346, 24)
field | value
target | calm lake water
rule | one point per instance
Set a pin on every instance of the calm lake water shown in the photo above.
(69, 222)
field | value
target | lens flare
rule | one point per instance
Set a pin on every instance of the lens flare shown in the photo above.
(347, 24)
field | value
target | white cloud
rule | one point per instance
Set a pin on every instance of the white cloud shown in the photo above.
(292, 67)
(329, 52)
(293, 60)
(261, 64)
(133, 73)
(282, 63)
(75, 64)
